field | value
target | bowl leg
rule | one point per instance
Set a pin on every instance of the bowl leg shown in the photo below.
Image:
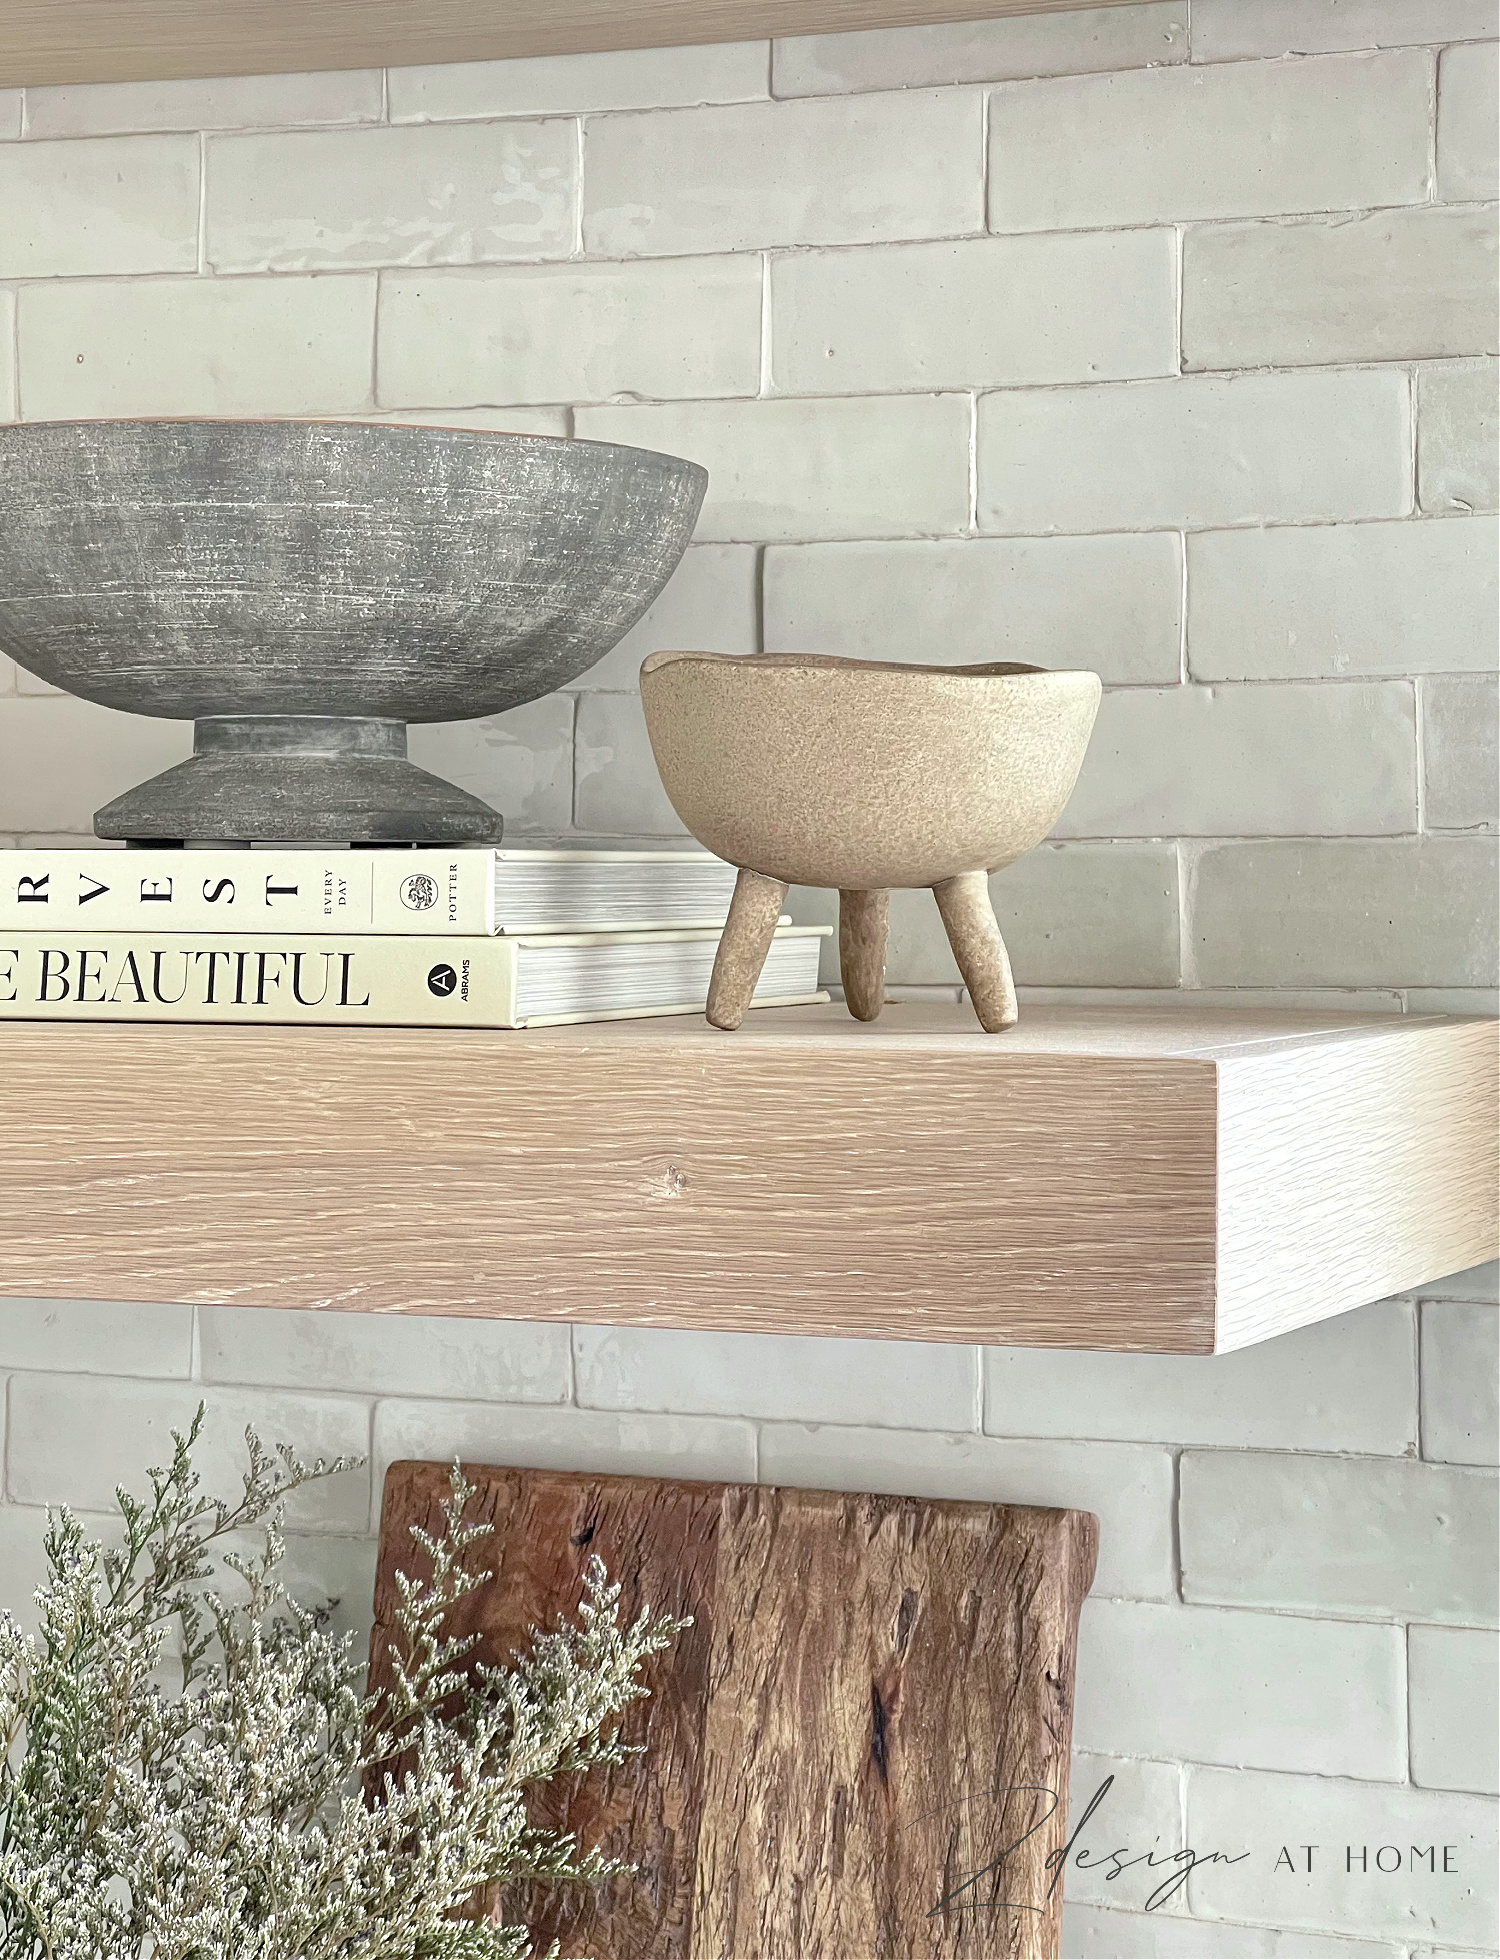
(862, 926)
(969, 920)
(753, 912)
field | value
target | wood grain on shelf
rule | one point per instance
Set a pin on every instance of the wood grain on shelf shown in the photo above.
(1345, 1168)
(43, 41)
(873, 1700)
(1157, 1179)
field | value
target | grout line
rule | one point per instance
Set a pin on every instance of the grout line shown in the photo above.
(986, 113)
(375, 319)
(1413, 499)
(1406, 1699)
(831, 249)
(1419, 718)
(203, 266)
(573, 771)
(1179, 236)
(1434, 110)
(1187, 894)
(973, 530)
(377, 1491)
(765, 325)
(578, 250)
(1176, 1517)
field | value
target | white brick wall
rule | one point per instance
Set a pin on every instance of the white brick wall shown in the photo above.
(1300, 1532)
(226, 102)
(981, 50)
(882, 466)
(1454, 1717)
(1154, 339)
(121, 204)
(1110, 603)
(1329, 600)
(633, 78)
(840, 171)
(1428, 1910)
(1168, 455)
(1245, 140)
(1466, 164)
(196, 347)
(1000, 312)
(456, 194)
(1247, 1689)
(1228, 30)
(1397, 285)
(669, 328)
(1458, 436)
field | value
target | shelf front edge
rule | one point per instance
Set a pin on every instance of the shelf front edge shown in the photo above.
(69, 41)
(1352, 1170)
(1041, 1198)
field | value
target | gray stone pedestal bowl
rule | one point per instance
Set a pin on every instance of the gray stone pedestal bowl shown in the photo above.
(303, 590)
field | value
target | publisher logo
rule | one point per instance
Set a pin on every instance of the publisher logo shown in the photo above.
(441, 980)
(419, 893)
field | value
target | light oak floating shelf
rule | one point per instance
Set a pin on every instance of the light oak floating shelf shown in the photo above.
(152, 40)
(1171, 1180)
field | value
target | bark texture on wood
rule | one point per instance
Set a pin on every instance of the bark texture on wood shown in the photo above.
(873, 1704)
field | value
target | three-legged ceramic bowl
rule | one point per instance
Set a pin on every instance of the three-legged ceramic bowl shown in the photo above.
(861, 775)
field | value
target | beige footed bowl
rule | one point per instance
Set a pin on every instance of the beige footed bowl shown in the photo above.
(861, 775)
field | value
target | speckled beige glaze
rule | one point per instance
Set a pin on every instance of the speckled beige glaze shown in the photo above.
(861, 775)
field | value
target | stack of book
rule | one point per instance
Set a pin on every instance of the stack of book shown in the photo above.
(491, 938)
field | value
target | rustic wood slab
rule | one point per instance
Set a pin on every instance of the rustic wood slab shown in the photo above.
(873, 1703)
(1173, 1180)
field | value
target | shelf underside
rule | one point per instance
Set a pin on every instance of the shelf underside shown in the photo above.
(1163, 1180)
(49, 41)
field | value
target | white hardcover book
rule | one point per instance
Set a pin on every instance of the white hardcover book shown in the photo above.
(354, 980)
(528, 889)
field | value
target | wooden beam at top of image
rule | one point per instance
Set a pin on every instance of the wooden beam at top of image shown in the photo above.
(51, 41)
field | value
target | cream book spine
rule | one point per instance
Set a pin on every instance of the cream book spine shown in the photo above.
(275, 892)
(315, 980)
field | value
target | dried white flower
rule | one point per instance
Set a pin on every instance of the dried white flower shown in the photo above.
(225, 1817)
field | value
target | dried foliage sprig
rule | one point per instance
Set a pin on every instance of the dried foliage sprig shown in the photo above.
(186, 1776)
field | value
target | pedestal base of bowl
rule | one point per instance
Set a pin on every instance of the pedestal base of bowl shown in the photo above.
(968, 919)
(304, 779)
